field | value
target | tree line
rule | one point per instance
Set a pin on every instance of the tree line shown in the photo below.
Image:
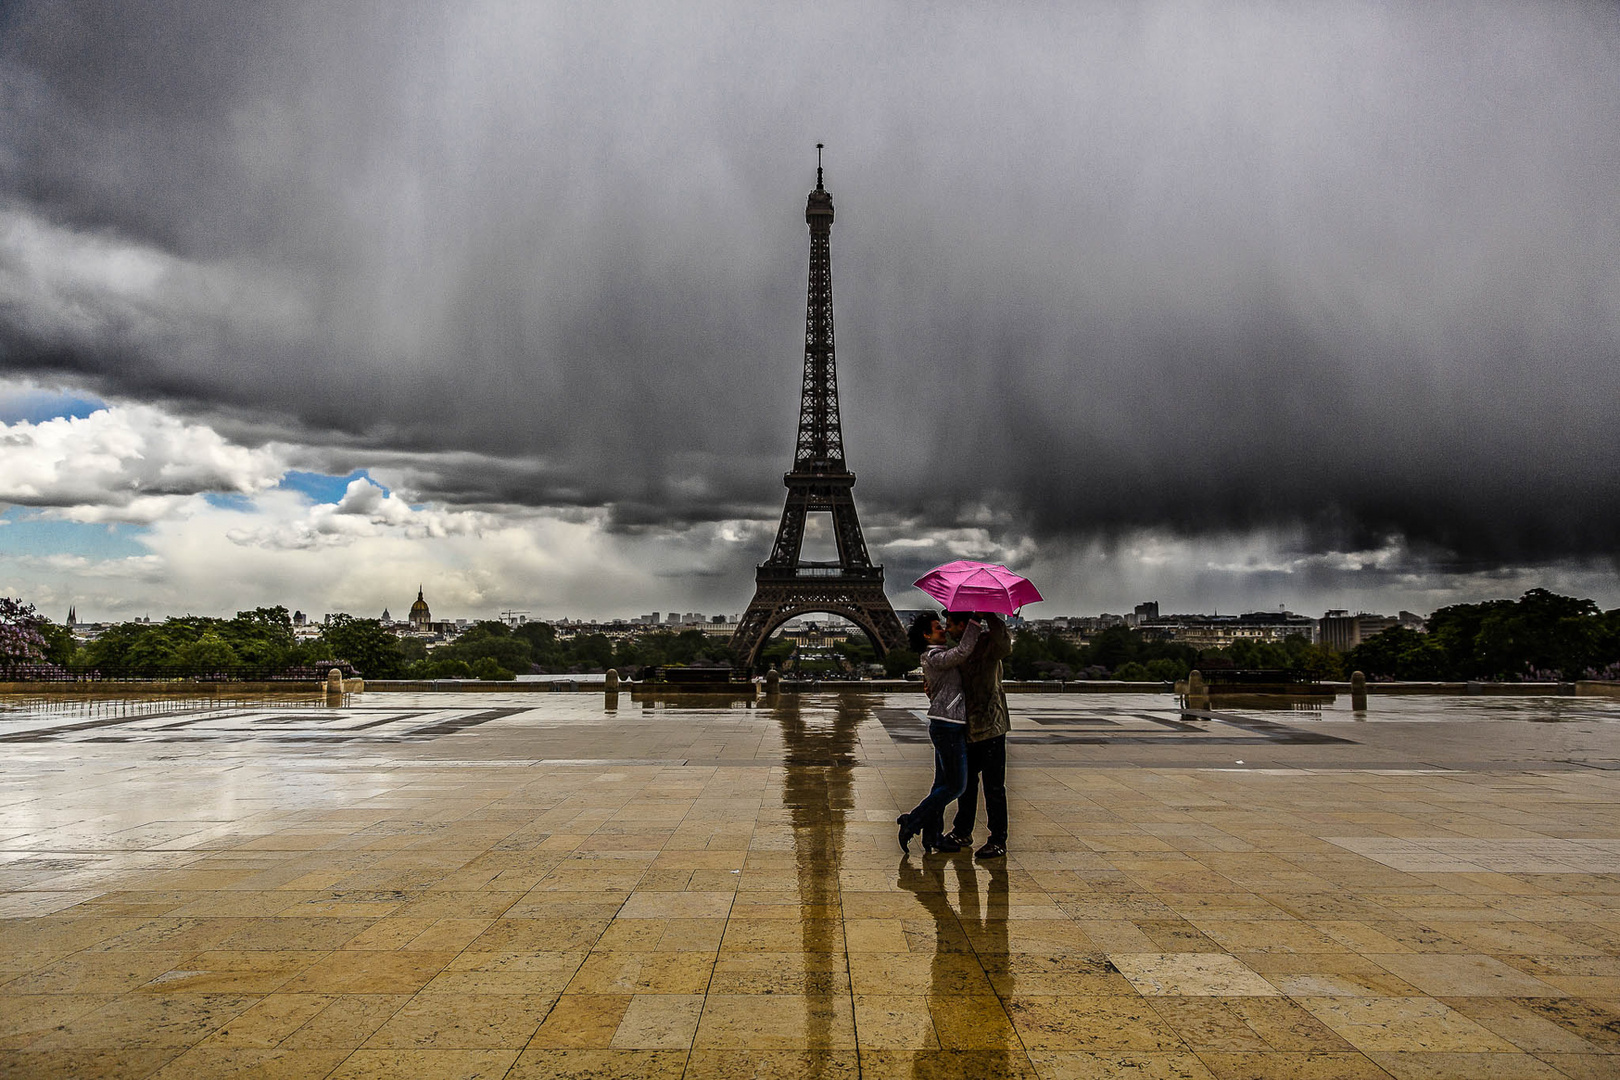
(1133, 656)
(260, 644)
(494, 650)
(1541, 636)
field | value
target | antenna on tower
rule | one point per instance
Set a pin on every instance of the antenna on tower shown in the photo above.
(818, 166)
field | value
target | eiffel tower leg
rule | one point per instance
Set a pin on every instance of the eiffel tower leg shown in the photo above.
(847, 529)
(775, 602)
(752, 632)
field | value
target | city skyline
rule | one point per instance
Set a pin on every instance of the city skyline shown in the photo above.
(1231, 306)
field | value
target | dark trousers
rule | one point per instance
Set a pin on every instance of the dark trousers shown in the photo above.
(950, 776)
(987, 759)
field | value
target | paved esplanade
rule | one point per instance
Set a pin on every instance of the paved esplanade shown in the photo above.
(536, 886)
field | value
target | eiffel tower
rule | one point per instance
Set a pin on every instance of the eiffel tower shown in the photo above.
(785, 585)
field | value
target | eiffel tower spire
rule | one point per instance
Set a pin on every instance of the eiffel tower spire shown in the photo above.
(786, 586)
(821, 434)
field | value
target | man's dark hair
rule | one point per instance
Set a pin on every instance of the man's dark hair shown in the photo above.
(957, 618)
(919, 626)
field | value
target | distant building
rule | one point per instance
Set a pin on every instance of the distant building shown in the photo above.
(1146, 612)
(1341, 631)
(1221, 631)
(421, 617)
(386, 619)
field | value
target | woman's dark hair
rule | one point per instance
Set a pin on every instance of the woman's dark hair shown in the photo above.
(920, 626)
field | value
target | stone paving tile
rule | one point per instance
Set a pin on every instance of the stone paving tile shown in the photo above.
(542, 1064)
(1215, 974)
(240, 1063)
(700, 891)
(425, 1065)
(97, 1064)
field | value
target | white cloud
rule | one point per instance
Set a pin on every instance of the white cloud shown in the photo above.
(327, 557)
(370, 547)
(366, 510)
(130, 463)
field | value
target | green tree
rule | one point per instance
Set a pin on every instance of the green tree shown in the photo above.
(440, 669)
(366, 644)
(1165, 669)
(208, 654)
(1400, 653)
(1029, 658)
(776, 653)
(897, 662)
(591, 652)
(490, 669)
(542, 639)
(262, 640)
(412, 650)
(489, 640)
(154, 652)
(1544, 634)
(857, 649)
(109, 653)
(60, 647)
(1455, 633)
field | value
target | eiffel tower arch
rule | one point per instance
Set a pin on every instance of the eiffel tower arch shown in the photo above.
(785, 585)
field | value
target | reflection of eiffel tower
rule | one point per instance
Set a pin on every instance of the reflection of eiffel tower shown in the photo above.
(785, 586)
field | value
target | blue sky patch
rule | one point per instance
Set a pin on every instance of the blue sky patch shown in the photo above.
(323, 487)
(229, 501)
(24, 534)
(37, 406)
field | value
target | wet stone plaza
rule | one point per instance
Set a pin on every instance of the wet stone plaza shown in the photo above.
(557, 885)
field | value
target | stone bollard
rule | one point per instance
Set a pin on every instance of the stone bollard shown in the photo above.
(773, 681)
(611, 680)
(1197, 692)
(1358, 691)
(355, 685)
(334, 687)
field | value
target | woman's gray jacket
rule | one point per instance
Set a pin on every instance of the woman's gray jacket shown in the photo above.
(942, 676)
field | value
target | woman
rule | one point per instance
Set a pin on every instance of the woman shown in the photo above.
(947, 728)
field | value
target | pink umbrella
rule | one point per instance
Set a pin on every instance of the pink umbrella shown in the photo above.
(975, 586)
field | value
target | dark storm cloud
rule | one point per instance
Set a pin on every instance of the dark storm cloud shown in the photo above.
(1342, 269)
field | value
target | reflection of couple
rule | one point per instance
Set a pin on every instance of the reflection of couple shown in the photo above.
(967, 723)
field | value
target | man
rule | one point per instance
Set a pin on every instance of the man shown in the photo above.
(988, 723)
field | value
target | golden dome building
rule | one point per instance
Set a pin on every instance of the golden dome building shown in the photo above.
(421, 617)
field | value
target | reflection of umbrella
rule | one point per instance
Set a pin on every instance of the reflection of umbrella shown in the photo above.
(977, 586)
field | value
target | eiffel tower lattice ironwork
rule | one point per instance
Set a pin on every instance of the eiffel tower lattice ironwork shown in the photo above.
(785, 585)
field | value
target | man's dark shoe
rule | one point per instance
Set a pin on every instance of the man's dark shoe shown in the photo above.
(943, 844)
(992, 850)
(958, 839)
(906, 832)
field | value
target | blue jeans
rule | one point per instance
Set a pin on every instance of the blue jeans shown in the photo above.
(987, 759)
(950, 778)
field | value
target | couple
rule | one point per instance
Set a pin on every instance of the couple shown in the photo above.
(967, 723)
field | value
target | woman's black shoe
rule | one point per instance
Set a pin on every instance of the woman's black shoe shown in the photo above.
(906, 832)
(942, 844)
(958, 839)
(992, 850)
